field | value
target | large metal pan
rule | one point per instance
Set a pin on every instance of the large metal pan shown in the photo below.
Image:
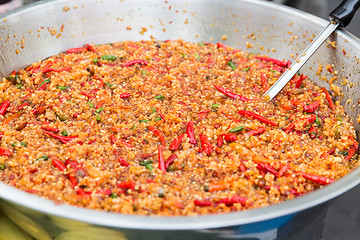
(46, 28)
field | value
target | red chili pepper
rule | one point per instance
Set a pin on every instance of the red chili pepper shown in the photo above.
(72, 180)
(202, 203)
(264, 83)
(175, 144)
(313, 132)
(50, 129)
(283, 64)
(123, 162)
(26, 97)
(158, 134)
(317, 179)
(170, 160)
(220, 141)
(232, 200)
(229, 138)
(113, 138)
(122, 141)
(133, 62)
(161, 163)
(351, 153)
(190, 132)
(76, 50)
(125, 95)
(266, 168)
(4, 106)
(311, 107)
(99, 104)
(299, 81)
(63, 139)
(355, 143)
(328, 98)
(90, 47)
(231, 94)
(87, 95)
(5, 152)
(63, 69)
(289, 128)
(205, 144)
(23, 105)
(127, 185)
(59, 164)
(257, 116)
(203, 114)
(256, 131)
(162, 116)
(283, 169)
(242, 167)
(311, 118)
(221, 45)
(331, 151)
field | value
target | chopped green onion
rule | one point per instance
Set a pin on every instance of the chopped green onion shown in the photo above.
(2, 166)
(143, 121)
(13, 144)
(197, 56)
(99, 110)
(147, 164)
(109, 57)
(133, 127)
(345, 153)
(158, 119)
(317, 121)
(95, 61)
(215, 107)
(63, 88)
(44, 157)
(237, 129)
(232, 65)
(113, 195)
(159, 97)
(143, 72)
(69, 101)
(23, 144)
(201, 44)
(109, 84)
(184, 55)
(45, 81)
(153, 110)
(90, 104)
(98, 118)
(64, 133)
(245, 69)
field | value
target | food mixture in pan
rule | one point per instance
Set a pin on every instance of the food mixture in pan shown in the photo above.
(168, 128)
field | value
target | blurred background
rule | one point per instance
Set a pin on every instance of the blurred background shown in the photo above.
(343, 218)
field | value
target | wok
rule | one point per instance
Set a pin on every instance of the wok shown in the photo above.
(45, 28)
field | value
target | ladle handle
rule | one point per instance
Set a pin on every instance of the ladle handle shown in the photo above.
(344, 13)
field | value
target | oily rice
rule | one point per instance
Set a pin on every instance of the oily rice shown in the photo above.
(168, 128)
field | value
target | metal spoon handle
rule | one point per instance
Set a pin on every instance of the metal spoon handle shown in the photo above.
(341, 16)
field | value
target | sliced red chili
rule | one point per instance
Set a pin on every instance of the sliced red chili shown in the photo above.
(170, 160)
(266, 168)
(50, 129)
(328, 98)
(232, 200)
(283, 64)
(175, 144)
(123, 162)
(317, 179)
(311, 107)
(161, 163)
(256, 131)
(257, 116)
(230, 138)
(264, 83)
(158, 134)
(190, 132)
(125, 95)
(127, 185)
(231, 94)
(202, 203)
(5, 152)
(205, 144)
(351, 153)
(135, 61)
(59, 164)
(4, 106)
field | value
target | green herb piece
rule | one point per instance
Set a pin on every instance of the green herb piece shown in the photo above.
(69, 101)
(95, 61)
(184, 55)
(13, 144)
(317, 121)
(245, 69)
(98, 118)
(237, 129)
(147, 164)
(113, 195)
(99, 110)
(45, 81)
(143, 121)
(232, 65)
(61, 117)
(143, 72)
(90, 104)
(109, 57)
(158, 119)
(339, 118)
(345, 153)
(63, 88)
(197, 56)
(2, 166)
(64, 133)
(44, 157)
(23, 144)
(133, 127)
(251, 53)
(153, 110)
(201, 44)
(272, 70)
(109, 84)
(302, 86)
(214, 107)
(159, 97)
(15, 80)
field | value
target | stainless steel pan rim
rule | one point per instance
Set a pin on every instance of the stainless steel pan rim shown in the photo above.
(107, 219)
